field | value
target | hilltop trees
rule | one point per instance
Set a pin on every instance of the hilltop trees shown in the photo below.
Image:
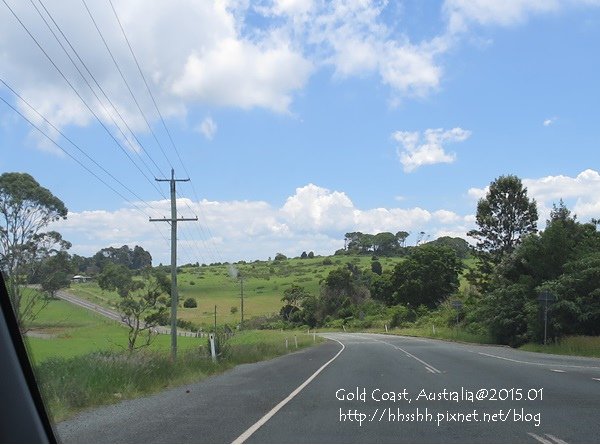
(26, 208)
(383, 243)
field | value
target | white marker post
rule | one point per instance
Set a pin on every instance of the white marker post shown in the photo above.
(296, 341)
(386, 331)
(344, 326)
(213, 349)
(286, 343)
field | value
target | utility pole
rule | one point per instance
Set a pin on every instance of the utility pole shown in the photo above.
(242, 298)
(173, 221)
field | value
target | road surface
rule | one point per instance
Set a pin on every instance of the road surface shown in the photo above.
(369, 388)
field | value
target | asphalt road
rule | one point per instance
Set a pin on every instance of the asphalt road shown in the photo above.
(369, 388)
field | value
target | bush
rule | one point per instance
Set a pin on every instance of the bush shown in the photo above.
(327, 262)
(190, 303)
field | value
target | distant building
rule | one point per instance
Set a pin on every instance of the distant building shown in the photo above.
(80, 279)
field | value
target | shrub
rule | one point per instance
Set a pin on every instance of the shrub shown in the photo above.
(190, 303)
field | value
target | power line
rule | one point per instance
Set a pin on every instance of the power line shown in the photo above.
(79, 95)
(71, 142)
(161, 118)
(73, 157)
(90, 74)
(125, 81)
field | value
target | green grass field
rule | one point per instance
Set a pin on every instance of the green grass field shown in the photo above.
(65, 330)
(264, 284)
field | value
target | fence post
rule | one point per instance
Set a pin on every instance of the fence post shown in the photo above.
(296, 341)
(286, 343)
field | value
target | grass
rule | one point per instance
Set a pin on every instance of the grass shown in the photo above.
(80, 358)
(575, 345)
(70, 385)
(64, 330)
(264, 284)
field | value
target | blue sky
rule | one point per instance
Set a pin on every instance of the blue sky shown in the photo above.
(301, 120)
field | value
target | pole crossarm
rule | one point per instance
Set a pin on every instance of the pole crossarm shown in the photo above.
(171, 220)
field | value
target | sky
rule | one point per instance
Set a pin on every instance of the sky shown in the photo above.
(297, 121)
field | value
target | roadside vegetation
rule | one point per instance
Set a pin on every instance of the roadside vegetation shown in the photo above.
(70, 385)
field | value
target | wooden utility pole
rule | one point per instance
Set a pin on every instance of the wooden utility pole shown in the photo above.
(242, 298)
(173, 221)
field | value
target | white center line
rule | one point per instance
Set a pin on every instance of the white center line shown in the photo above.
(557, 370)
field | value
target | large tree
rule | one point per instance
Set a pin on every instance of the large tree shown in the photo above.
(427, 277)
(504, 217)
(26, 208)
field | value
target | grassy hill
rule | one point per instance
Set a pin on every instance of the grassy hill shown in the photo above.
(264, 284)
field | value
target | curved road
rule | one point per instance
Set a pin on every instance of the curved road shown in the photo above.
(367, 388)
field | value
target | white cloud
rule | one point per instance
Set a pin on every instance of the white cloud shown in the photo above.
(313, 218)
(208, 128)
(414, 152)
(581, 194)
(462, 13)
(550, 121)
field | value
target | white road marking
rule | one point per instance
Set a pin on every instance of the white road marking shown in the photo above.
(557, 370)
(538, 438)
(264, 419)
(427, 365)
(538, 364)
(594, 378)
(555, 439)
(548, 439)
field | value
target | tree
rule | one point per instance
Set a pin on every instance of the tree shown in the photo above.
(26, 208)
(55, 273)
(143, 304)
(311, 254)
(293, 297)
(385, 243)
(303, 256)
(504, 217)
(427, 277)
(376, 267)
(401, 238)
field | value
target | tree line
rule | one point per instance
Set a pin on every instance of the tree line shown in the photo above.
(516, 269)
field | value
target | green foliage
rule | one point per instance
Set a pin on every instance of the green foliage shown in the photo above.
(280, 257)
(376, 267)
(26, 208)
(190, 303)
(564, 260)
(460, 247)
(504, 217)
(427, 277)
(142, 305)
(134, 259)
